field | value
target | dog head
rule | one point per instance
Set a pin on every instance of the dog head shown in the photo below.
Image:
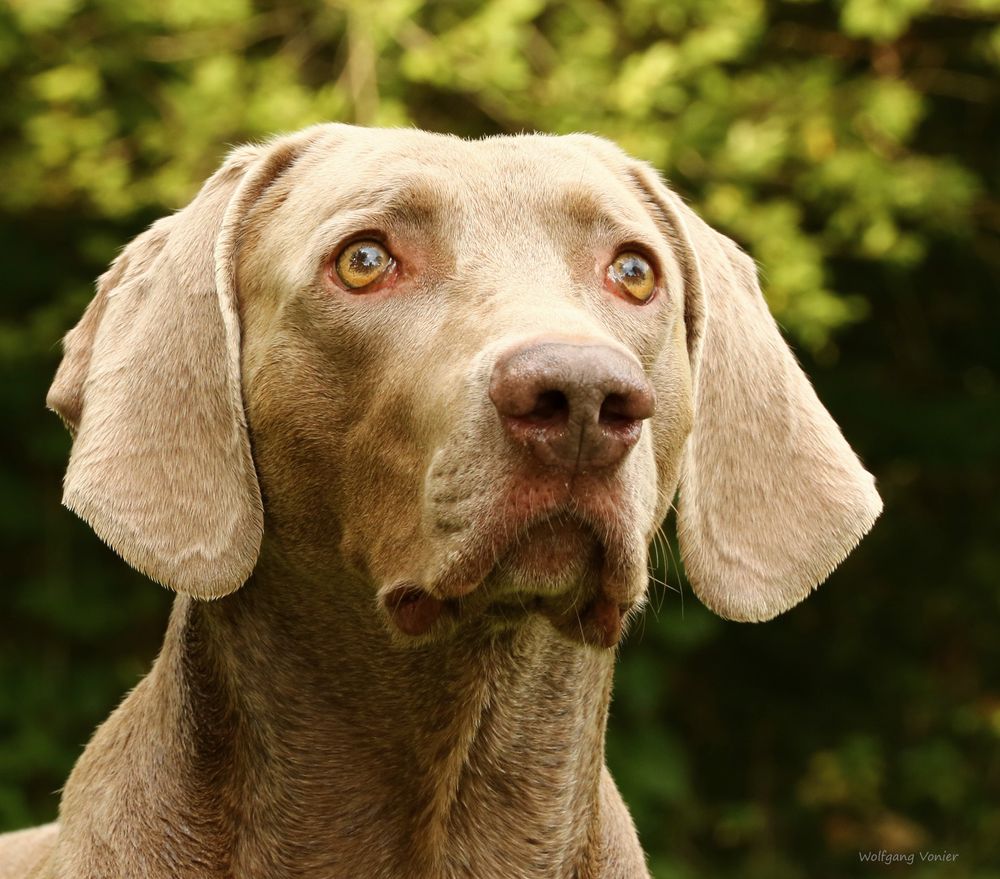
(472, 374)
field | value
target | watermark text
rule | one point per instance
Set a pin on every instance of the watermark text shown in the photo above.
(909, 858)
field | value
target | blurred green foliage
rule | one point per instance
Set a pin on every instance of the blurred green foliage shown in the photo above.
(851, 147)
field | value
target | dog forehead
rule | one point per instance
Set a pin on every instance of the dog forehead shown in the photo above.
(358, 168)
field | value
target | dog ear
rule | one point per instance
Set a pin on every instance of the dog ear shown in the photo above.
(772, 498)
(149, 386)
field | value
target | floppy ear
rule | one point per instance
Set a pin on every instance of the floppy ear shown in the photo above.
(149, 386)
(772, 498)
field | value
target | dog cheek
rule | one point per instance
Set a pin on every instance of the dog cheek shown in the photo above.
(382, 503)
(671, 425)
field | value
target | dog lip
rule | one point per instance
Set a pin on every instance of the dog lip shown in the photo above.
(480, 584)
(593, 614)
(514, 607)
(413, 610)
(600, 623)
(547, 544)
(471, 569)
(593, 505)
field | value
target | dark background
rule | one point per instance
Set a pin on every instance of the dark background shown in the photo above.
(852, 148)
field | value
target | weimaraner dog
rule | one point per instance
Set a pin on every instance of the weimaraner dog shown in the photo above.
(397, 415)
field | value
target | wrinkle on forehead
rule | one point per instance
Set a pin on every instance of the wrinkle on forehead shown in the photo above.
(602, 216)
(404, 192)
(417, 199)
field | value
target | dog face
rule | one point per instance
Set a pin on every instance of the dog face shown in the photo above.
(442, 359)
(473, 374)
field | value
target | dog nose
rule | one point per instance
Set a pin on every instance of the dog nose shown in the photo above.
(574, 406)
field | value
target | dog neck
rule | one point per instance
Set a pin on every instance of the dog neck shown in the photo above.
(306, 742)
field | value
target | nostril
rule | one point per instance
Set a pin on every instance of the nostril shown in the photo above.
(627, 407)
(550, 406)
(615, 411)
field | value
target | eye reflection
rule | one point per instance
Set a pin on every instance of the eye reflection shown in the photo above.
(362, 263)
(633, 274)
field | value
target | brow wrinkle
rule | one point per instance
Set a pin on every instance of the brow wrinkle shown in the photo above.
(416, 200)
(595, 212)
(590, 210)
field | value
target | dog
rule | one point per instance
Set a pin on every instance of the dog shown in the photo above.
(397, 416)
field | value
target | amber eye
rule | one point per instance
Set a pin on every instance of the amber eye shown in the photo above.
(362, 263)
(630, 272)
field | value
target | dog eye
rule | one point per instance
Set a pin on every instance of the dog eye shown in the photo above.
(362, 263)
(631, 273)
